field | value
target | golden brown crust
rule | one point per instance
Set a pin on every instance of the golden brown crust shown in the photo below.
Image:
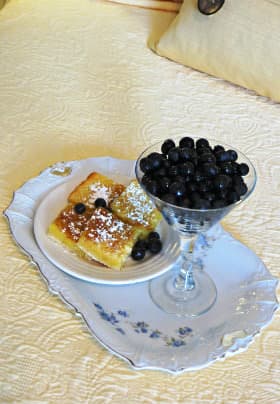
(95, 186)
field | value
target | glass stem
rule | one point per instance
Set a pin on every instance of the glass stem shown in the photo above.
(185, 280)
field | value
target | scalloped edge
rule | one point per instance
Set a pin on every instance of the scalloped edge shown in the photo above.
(231, 350)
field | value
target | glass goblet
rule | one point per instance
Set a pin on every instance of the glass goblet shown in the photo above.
(186, 289)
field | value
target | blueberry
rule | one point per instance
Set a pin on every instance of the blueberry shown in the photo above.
(169, 198)
(174, 155)
(207, 158)
(243, 169)
(243, 189)
(153, 187)
(100, 203)
(222, 156)
(202, 204)
(218, 148)
(222, 181)
(161, 172)
(186, 153)
(179, 178)
(187, 142)
(177, 188)
(210, 169)
(167, 145)
(166, 163)
(199, 176)
(138, 254)
(185, 203)
(210, 196)
(233, 197)
(202, 143)
(194, 197)
(203, 150)
(227, 168)
(218, 203)
(164, 183)
(79, 208)
(146, 165)
(145, 179)
(153, 235)
(237, 180)
(187, 168)
(204, 186)
(156, 160)
(173, 171)
(191, 187)
(155, 246)
(140, 245)
(232, 155)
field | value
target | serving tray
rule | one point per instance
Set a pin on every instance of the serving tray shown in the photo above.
(123, 318)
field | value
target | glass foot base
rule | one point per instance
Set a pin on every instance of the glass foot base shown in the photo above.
(183, 302)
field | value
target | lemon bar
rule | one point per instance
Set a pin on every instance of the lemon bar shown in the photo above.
(107, 239)
(95, 186)
(68, 226)
(133, 206)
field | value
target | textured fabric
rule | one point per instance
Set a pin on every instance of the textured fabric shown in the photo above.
(240, 43)
(78, 81)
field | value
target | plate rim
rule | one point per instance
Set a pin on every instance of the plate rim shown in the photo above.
(148, 272)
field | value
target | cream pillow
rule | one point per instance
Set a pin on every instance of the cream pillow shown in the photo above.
(240, 43)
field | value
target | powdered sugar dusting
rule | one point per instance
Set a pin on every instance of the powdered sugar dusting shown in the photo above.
(104, 227)
(99, 190)
(137, 205)
(72, 223)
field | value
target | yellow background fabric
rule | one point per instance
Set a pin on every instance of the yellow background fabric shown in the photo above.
(240, 43)
(77, 81)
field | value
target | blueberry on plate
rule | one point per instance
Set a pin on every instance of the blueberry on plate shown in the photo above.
(138, 254)
(79, 208)
(140, 245)
(155, 246)
(100, 203)
(153, 235)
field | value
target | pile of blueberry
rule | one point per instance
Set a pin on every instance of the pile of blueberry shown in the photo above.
(194, 175)
(152, 244)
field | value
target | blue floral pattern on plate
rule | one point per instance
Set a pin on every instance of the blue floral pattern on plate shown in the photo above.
(121, 317)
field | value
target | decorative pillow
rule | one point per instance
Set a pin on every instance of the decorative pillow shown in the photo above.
(240, 43)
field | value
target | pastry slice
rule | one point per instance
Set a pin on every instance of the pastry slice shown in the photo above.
(107, 239)
(133, 206)
(95, 186)
(68, 226)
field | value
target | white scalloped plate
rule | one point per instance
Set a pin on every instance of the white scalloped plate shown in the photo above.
(125, 320)
(151, 266)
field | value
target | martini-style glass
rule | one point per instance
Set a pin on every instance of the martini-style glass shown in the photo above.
(187, 289)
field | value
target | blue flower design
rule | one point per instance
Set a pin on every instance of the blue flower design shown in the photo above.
(140, 327)
(120, 330)
(175, 342)
(183, 331)
(155, 334)
(122, 313)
